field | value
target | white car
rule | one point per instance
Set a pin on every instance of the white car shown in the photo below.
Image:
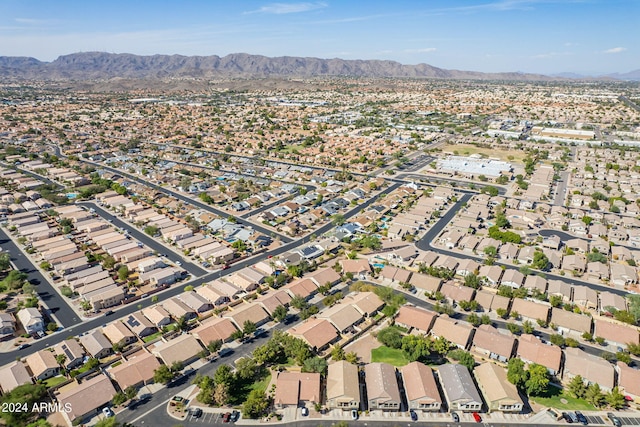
(107, 412)
(178, 263)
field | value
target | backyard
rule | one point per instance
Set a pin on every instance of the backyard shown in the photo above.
(557, 398)
(395, 357)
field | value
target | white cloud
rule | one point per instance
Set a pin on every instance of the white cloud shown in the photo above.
(423, 50)
(284, 8)
(615, 50)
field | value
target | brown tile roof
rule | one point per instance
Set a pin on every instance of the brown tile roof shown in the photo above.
(454, 331)
(13, 375)
(415, 317)
(88, 396)
(137, 370)
(591, 368)
(493, 382)
(316, 332)
(490, 339)
(295, 387)
(531, 350)
(380, 379)
(530, 309)
(179, 349)
(570, 320)
(420, 383)
(215, 328)
(342, 382)
(252, 312)
(616, 333)
(302, 287)
(628, 379)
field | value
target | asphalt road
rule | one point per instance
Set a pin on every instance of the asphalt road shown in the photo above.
(153, 243)
(425, 244)
(432, 180)
(190, 200)
(56, 303)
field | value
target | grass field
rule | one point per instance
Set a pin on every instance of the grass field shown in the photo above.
(50, 382)
(389, 355)
(556, 397)
(495, 152)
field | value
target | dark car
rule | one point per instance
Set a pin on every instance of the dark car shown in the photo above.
(455, 417)
(196, 412)
(108, 312)
(414, 416)
(614, 420)
(23, 346)
(226, 417)
(581, 418)
(567, 418)
(235, 415)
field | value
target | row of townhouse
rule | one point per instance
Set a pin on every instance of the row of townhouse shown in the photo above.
(491, 343)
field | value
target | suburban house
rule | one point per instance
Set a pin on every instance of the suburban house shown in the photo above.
(31, 320)
(591, 368)
(183, 349)
(247, 312)
(13, 375)
(139, 324)
(459, 389)
(490, 342)
(616, 333)
(382, 387)
(7, 326)
(157, 315)
(457, 332)
(72, 351)
(86, 399)
(568, 321)
(530, 310)
(343, 386)
(213, 329)
(318, 333)
(532, 350)
(118, 333)
(410, 316)
(297, 389)
(629, 380)
(135, 371)
(498, 392)
(420, 387)
(96, 344)
(43, 364)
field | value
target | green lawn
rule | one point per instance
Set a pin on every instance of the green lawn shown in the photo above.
(152, 337)
(553, 400)
(389, 355)
(50, 382)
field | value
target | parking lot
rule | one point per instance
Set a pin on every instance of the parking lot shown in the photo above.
(594, 419)
(628, 421)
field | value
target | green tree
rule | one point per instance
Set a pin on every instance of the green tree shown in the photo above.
(337, 353)
(246, 368)
(555, 300)
(130, 392)
(223, 375)
(463, 357)
(416, 347)
(557, 339)
(109, 262)
(391, 337)
(351, 357)
(123, 273)
(214, 346)
(528, 327)
(472, 281)
(5, 261)
(279, 313)
(615, 399)
(594, 395)
(516, 373)
(540, 261)
(474, 319)
(256, 404)
(119, 398)
(576, 387)
(27, 394)
(315, 364)
(162, 374)
(249, 327)
(538, 380)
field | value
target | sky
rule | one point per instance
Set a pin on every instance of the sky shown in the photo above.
(588, 37)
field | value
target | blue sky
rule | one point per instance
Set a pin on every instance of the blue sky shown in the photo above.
(544, 36)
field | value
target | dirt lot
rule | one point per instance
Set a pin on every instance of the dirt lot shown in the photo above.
(363, 347)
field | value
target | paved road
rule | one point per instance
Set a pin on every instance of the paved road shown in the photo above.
(432, 180)
(561, 189)
(425, 244)
(153, 243)
(56, 303)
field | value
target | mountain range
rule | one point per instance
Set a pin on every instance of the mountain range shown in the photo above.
(102, 65)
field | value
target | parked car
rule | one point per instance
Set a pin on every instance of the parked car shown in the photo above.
(354, 414)
(108, 312)
(235, 415)
(614, 420)
(567, 418)
(305, 411)
(581, 418)
(107, 412)
(455, 417)
(23, 346)
(414, 416)
(226, 417)
(196, 412)
(477, 417)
